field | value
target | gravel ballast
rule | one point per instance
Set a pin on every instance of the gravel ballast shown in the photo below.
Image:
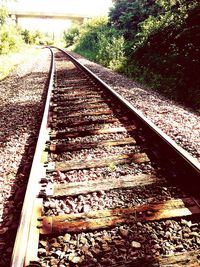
(177, 121)
(139, 244)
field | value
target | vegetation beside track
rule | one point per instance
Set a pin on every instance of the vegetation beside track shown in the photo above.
(154, 42)
(9, 61)
(98, 42)
(13, 41)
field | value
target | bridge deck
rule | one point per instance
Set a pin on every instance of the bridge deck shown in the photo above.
(52, 15)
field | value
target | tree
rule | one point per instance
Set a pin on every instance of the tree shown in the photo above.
(162, 44)
(126, 15)
(3, 15)
(71, 35)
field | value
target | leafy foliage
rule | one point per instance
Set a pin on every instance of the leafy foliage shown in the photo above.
(101, 43)
(162, 44)
(10, 39)
(89, 36)
(71, 35)
(36, 37)
(127, 15)
(155, 41)
(3, 15)
(111, 53)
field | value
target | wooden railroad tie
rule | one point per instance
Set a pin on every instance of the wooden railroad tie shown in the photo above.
(101, 219)
(76, 188)
(77, 107)
(95, 131)
(73, 95)
(70, 99)
(72, 146)
(80, 101)
(68, 88)
(85, 122)
(186, 259)
(76, 94)
(83, 114)
(95, 163)
(179, 259)
(74, 81)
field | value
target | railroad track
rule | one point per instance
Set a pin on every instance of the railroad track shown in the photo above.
(106, 188)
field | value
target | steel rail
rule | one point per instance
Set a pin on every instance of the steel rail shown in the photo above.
(18, 258)
(192, 165)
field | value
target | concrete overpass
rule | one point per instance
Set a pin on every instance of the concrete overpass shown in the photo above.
(15, 15)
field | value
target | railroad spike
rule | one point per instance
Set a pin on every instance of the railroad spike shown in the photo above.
(44, 180)
(34, 264)
(42, 194)
(50, 166)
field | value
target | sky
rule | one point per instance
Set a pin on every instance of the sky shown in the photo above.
(80, 7)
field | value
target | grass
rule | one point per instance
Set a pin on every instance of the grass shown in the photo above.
(10, 61)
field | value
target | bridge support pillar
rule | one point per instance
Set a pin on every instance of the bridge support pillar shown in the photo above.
(14, 19)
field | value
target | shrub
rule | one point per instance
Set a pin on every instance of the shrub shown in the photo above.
(163, 43)
(10, 39)
(111, 52)
(101, 43)
(3, 15)
(36, 37)
(71, 35)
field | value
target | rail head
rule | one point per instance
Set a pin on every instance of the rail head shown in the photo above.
(193, 166)
(18, 258)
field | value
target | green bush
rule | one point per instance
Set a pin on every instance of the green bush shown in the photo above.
(156, 42)
(10, 39)
(71, 35)
(162, 45)
(89, 35)
(36, 37)
(126, 15)
(3, 15)
(170, 49)
(101, 43)
(111, 52)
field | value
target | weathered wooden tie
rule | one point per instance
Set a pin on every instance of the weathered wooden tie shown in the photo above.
(186, 259)
(74, 146)
(77, 107)
(78, 95)
(73, 93)
(72, 99)
(65, 105)
(82, 101)
(69, 88)
(179, 259)
(98, 163)
(71, 189)
(75, 80)
(101, 219)
(95, 131)
(85, 122)
(83, 114)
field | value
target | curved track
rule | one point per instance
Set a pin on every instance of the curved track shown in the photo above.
(101, 170)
